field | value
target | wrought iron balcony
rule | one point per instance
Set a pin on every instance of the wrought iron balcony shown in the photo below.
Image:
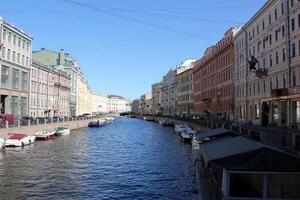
(261, 73)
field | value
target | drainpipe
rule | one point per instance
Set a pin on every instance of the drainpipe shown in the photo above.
(288, 48)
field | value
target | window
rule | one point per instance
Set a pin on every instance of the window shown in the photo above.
(24, 81)
(257, 111)
(8, 54)
(3, 52)
(27, 47)
(292, 24)
(292, 3)
(283, 55)
(275, 14)
(282, 8)
(27, 63)
(277, 82)
(270, 39)
(294, 78)
(284, 186)
(4, 76)
(276, 58)
(283, 31)
(4, 34)
(15, 38)
(271, 62)
(264, 86)
(23, 59)
(271, 84)
(14, 56)
(270, 19)
(19, 42)
(257, 29)
(263, 24)
(18, 58)
(23, 44)
(298, 20)
(283, 80)
(293, 52)
(276, 35)
(9, 37)
(15, 79)
(264, 63)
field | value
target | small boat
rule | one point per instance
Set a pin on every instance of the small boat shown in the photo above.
(97, 124)
(165, 122)
(149, 119)
(109, 120)
(179, 128)
(187, 134)
(44, 135)
(2, 143)
(59, 131)
(19, 140)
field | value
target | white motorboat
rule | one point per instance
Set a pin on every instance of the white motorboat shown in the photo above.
(59, 131)
(187, 134)
(44, 135)
(179, 128)
(109, 120)
(19, 140)
(2, 143)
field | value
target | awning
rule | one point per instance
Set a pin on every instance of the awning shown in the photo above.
(242, 154)
(226, 147)
(213, 133)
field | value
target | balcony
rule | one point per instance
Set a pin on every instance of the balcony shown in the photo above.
(279, 92)
(261, 73)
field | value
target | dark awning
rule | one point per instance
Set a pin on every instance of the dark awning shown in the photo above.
(242, 154)
(213, 133)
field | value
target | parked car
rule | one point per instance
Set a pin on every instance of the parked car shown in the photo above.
(6, 117)
(25, 119)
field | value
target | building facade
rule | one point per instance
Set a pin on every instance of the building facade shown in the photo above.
(41, 98)
(118, 104)
(185, 88)
(135, 106)
(83, 102)
(168, 93)
(99, 103)
(145, 107)
(213, 78)
(156, 99)
(64, 62)
(15, 62)
(270, 94)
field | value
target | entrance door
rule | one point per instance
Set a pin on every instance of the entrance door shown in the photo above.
(283, 114)
(2, 103)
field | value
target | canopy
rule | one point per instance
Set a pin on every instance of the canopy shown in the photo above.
(213, 132)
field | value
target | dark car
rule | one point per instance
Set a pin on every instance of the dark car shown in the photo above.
(25, 120)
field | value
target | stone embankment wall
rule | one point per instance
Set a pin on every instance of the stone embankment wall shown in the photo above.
(72, 125)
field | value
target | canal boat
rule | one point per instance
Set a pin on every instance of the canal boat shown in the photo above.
(59, 131)
(2, 143)
(109, 120)
(179, 128)
(165, 122)
(19, 140)
(97, 124)
(187, 134)
(149, 119)
(44, 135)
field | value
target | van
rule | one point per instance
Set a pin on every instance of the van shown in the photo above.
(6, 117)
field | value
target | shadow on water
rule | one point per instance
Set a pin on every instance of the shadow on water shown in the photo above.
(128, 159)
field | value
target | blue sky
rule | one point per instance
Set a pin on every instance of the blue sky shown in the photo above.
(125, 46)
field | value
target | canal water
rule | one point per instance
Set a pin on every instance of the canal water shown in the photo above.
(127, 160)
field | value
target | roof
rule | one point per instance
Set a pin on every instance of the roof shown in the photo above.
(242, 154)
(213, 132)
(227, 147)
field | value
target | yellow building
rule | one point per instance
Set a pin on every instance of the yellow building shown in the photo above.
(84, 95)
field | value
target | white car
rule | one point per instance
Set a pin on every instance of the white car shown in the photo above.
(19, 140)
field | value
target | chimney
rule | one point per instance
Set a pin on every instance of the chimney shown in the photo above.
(61, 57)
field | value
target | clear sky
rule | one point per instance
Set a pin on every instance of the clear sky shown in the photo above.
(124, 46)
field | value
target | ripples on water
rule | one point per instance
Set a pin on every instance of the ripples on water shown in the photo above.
(127, 160)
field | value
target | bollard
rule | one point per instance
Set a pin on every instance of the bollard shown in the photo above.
(37, 122)
(45, 121)
(6, 124)
(28, 124)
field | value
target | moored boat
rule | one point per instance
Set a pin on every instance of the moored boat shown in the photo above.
(179, 128)
(44, 135)
(165, 122)
(19, 140)
(59, 131)
(187, 134)
(97, 124)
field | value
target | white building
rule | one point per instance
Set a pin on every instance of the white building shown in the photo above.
(15, 62)
(118, 104)
(99, 103)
